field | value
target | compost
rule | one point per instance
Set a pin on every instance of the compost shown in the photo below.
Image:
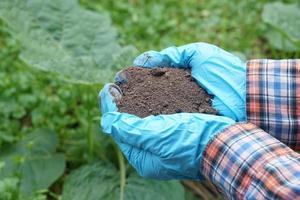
(162, 91)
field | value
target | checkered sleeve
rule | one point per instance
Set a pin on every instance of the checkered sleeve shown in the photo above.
(245, 162)
(273, 98)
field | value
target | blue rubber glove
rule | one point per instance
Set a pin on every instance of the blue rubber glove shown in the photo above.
(219, 72)
(164, 146)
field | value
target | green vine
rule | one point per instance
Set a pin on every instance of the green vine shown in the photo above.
(122, 172)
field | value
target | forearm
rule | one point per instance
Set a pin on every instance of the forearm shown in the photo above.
(245, 162)
(273, 98)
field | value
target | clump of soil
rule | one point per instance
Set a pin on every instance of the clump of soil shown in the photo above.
(162, 91)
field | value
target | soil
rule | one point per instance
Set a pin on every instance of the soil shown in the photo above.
(162, 91)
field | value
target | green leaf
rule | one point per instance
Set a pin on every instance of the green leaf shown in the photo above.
(101, 181)
(285, 20)
(279, 41)
(139, 188)
(34, 160)
(6, 138)
(62, 37)
(8, 188)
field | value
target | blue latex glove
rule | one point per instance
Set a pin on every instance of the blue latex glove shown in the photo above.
(163, 146)
(219, 72)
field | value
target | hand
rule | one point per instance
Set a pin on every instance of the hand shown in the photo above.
(222, 74)
(163, 146)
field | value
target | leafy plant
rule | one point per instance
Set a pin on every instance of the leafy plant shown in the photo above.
(62, 37)
(30, 98)
(57, 38)
(285, 22)
(9, 191)
(34, 161)
(100, 181)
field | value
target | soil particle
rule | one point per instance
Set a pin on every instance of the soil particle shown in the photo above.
(162, 91)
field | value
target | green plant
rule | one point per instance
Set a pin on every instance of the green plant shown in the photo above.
(62, 37)
(100, 181)
(34, 161)
(9, 191)
(31, 98)
(285, 22)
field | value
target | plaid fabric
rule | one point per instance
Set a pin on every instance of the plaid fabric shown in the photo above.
(244, 162)
(273, 98)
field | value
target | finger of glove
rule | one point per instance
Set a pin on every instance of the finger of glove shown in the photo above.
(169, 57)
(108, 96)
(224, 76)
(233, 109)
(121, 77)
(162, 135)
(177, 57)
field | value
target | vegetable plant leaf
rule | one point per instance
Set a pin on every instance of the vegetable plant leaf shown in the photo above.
(101, 181)
(285, 21)
(280, 42)
(34, 161)
(140, 188)
(60, 36)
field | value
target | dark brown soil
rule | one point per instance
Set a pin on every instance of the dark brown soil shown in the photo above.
(162, 91)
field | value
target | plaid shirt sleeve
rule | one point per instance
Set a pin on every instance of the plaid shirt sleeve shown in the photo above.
(273, 98)
(244, 162)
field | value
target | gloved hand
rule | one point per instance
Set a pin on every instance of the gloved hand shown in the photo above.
(163, 146)
(222, 74)
(171, 146)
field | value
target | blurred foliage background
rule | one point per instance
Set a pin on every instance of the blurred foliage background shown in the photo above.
(31, 99)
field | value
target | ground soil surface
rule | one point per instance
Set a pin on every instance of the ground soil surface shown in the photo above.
(162, 91)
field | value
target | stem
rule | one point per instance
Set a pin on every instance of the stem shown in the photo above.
(53, 195)
(122, 173)
(90, 141)
(199, 190)
(90, 137)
